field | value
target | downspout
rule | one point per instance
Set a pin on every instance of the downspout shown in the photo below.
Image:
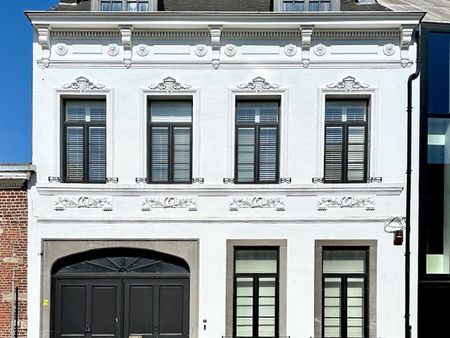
(409, 109)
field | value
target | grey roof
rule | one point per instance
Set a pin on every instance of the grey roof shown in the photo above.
(437, 10)
(216, 5)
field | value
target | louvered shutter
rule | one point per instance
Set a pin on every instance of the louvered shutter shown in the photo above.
(160, 154)
(356, 153)
(333, 154)
(75, 153)
(246, 154)
(267, 154)
(97, 154)
(181, 154)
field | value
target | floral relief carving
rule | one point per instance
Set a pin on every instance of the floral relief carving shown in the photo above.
(348, 84)
(169, 203)
(320, 49)
(83, 84)
(257, 203)
(230, 50)
(169, 84)
(290, 49)
(201, 50)
(258, 84)
(142, 50)
(61, 49)
(113, 49)
(342, 202)
(83, 202)
(389, 49)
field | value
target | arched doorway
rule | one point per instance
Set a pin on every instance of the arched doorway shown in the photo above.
(115, 293)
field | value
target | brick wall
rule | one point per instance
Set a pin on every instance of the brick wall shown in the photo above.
(13, 259)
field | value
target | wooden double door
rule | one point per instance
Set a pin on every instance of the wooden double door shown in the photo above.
(121, 307)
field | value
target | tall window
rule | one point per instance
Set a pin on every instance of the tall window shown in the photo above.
(110, 5)
(345, 294)
(257, 135)
(170, 141)
(137, 5)
(306, 5)
(345, 141)
(255, 292)
(84, 148)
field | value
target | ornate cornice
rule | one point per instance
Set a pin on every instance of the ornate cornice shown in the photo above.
(83, 202)
(169, 85)
(354, 34)
(257, 203)
(258, 84)
(170, 34)
(169, 203)
(342, 202)
(83, 84)
(85, 34)
(348, 84)
(261, 34)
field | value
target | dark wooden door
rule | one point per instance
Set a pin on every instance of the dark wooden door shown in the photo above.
(122, 307)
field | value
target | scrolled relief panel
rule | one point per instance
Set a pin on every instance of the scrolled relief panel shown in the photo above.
(345, 202)
(83, 202)
(150, 203)
(257, 202)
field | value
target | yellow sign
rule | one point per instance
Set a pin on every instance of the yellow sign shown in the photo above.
(45, 302)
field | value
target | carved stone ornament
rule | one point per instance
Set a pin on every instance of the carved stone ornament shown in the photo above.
(342, 202)
(257, 203)
(61, 49)
(127, 43)
(142, 50)
(216, 33)
(406, 40)
(169, 84)
(290, 49)
(306, 33)
(83, 202)
(169, 203)
(83, 84)
(113, 49)
(348, 84)
(201, 50)
(320, 49)
(258, 84)
(44, 41)
(389, 49)
(230, 50)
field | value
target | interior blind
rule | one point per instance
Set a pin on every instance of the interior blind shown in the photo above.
(97, 153)
(181, 154)
(267, 154)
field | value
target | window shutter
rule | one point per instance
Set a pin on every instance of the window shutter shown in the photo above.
(267, 154)
(75, 153)
(356, 153)
(246, 155)
(333, 153)
(97, 154)
(181, 154)
(160, 154)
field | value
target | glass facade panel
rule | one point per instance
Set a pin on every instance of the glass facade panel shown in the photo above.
(256, 261)
(438, 73)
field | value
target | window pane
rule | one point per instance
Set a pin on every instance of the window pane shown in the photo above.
(246, 155)
(143, 6)
(268, 112)
(268, 154)
(332, 307)
(333, 153)
(313, 5)
(266, 308)
(76, 112)
(438, 73)
(132, 6)
(75, 153)
(160, 154)
(344, 261)
(117, 6)
(356, 153)
(244, 307)
(97, 153)
(181, 154)
(171, 111)
(256, 261)
(246, 112)
(355, 307)
(105, 6)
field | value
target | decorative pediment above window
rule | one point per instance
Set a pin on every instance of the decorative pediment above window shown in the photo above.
(258, 84)
(169, 85)
(348, 84)
(83, 84)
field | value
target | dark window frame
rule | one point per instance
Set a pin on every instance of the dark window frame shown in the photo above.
(343, 294)
(345, 126)
(110, 3)
(170, 126)
(257, 127)
(255, 296)
(86, 126)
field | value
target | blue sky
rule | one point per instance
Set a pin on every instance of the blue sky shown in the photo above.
(15, 86)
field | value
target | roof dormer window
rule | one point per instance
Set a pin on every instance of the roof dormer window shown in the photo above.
(137, 6)
(124, 5)
(111, 5)
(308, 5)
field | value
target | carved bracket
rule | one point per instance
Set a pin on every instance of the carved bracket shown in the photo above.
(169, 85)
(127, 42)
(341, 202)
(141, 180)
(257, 203)
(199, 180)
(406, 40)
(83, 84)
(53, 179)
(114, 180)
(348, 84)
(306, 33)
(83, 202)
(216, 32)
(258, 84)
(44, 41)
(316, 180)
(169, 203)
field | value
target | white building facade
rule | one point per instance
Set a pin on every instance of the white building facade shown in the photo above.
(209, 174)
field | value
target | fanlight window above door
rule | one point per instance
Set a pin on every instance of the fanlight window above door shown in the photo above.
(125, 264)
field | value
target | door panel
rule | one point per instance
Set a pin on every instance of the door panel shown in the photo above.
(139, 309)
(171, 310)
(70, 310)
(104, 320)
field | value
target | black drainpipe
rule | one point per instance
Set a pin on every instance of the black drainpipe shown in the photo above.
(411, 78)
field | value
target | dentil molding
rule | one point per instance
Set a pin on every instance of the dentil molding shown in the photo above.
(169, 203)
(257, 203)
(83, 84)
(83, 202)
(348, 84)
(169, 85)
(342, 202)
(258, 84)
